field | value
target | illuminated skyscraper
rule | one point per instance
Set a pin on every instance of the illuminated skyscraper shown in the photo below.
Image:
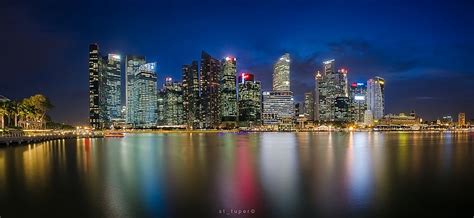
(250, 107)
(281, 74)
(278, 109)
(317, 78)
(228, 93)
(132, 64)
(191, 95)
(173, 103)
(97, 88)
(461, 119)
(341, 109)
(161, 108)
(114, 87)
(375, 97)
(308, 105)
(94, 86)
(278, 105)
(331, 84)
(358, 103)
(144, 107)
(209, 80)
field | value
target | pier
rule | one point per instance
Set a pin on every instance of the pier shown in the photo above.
(19, 139)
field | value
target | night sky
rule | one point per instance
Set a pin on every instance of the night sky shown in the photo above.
(422, 49)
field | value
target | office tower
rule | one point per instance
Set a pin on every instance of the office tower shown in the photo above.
(375, 96)
(250, 106)
(94, 86)
(317, 77)
(228, 93)
(297, 109)
(97, 82)
(368, 118)
(114, 87)
(358, 103)
(341, 109)
(343, 83)
(331, 84)
(132, 64)
(278, 105)
(309, 106)
(191, 95)
(278, 109)
(281, 74)
(461, 119)
(173, 103)
(145, 96)
(209, 80)
(160, 100)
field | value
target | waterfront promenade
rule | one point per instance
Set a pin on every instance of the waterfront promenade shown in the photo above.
(17, 140)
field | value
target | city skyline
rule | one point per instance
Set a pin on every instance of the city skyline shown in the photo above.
(433, 50)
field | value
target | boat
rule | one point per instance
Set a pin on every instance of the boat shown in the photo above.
(114, 134)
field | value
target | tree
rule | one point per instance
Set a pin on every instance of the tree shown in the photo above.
(36, 107)
(27, 113)
(3, 113)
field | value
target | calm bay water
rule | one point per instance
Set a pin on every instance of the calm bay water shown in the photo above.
(266, 174)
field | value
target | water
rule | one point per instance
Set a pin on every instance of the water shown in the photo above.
(263, 174)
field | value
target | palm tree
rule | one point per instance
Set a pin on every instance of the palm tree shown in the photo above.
(3, 112)
(9, 111)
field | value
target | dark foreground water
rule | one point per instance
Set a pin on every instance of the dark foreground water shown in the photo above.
(263, 174)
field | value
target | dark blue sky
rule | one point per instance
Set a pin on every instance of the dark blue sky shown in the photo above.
(422, 48)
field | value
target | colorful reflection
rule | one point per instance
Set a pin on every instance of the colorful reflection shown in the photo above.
(274, 174)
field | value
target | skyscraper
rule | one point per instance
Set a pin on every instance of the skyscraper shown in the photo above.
(375, 96)
(132, 64)
(341, 109)
(331, 84)
(114, 87)
(250, 107)
(95, 86)
(191, 95)
(461, 119)
(144, 97)
(173, 103)
(358, 103)
(160, 120)
(317, 78)
(278, 109)
(281, 74)
(209, 80)
(228, 93)
(278, 105)
(308, 105)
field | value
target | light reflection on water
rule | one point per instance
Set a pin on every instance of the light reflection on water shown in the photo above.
(275, 174)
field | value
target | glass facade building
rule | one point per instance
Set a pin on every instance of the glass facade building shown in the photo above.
(97, 88)
(250, 106)
(341, 109)
(209, 86)
(358, 101)
(144, 107)
(114, 87)
(281, 74)
(228, 93)
(375, 97)
(191, 95)
(330, 84)
(132, 65)
(278, 105)
(278, 109)
(308, 105)
(173, 103)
